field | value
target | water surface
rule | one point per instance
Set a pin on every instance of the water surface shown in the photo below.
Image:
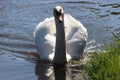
(18, 19)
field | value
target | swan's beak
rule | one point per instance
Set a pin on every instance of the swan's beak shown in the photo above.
(61, 18)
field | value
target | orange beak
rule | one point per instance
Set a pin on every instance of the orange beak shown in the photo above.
(60, 18)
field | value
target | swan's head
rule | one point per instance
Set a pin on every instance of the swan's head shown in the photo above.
(58, 13)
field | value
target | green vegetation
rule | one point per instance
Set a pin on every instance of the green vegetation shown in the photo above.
(105, 65)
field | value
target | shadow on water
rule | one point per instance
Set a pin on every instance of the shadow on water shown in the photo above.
(47, 71)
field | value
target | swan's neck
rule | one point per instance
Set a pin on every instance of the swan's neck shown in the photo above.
(60, 48)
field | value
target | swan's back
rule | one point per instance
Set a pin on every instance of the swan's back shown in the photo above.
(45, 37)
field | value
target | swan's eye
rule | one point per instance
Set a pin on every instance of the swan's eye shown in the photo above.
(60, 11)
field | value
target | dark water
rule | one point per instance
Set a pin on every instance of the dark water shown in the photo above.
(18, 19)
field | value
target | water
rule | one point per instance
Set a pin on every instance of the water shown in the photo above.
(18, 19)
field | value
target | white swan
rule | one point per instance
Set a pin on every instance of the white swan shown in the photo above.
(60, 38)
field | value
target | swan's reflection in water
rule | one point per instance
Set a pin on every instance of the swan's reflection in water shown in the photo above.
(60, 72)
(47, 71)
(44, 71)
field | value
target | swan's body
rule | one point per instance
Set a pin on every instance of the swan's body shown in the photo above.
(47, 35)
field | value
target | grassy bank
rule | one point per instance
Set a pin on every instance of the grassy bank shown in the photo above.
(105, 65)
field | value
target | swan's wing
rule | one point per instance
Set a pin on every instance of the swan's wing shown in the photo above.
(45, 39)
(77, 43)
(76, 37)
